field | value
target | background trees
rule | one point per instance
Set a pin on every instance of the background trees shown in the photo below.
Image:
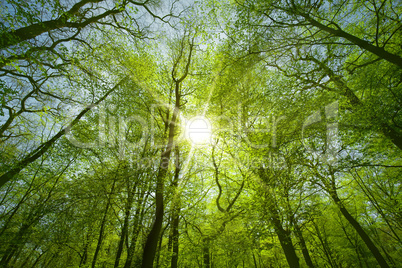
(301, 168)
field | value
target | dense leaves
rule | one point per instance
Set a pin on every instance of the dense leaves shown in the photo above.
(200, 134)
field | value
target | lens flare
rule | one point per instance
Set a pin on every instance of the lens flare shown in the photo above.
(198, 130)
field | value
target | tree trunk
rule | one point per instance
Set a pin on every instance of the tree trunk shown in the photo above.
(286, 243)
(175, 255)
(153, 236)
(139, 215)
(176, 212)
(103, 225)
(31, 31)
(152, 239)
(305, 251)
(283, 235)
(205, 252)
(255, 261)
(378, 51)
(387, 130)
(18, 241)
(160, 246)
(84, 256)
(366, 239)
(38, 259)
(325, 247)
(124, 230)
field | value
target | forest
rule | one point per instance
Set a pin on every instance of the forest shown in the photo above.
(210, 134)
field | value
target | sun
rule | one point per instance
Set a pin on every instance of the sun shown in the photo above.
(199, 130)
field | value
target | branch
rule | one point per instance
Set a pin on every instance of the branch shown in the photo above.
(378, 51)
(38, 152)
(15, 37)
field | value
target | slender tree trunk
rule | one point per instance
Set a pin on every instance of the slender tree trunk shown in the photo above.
(28, 257)
(160, 246)
(175, 255)
(367, 191)
(103, 225)
(176, 212)
(38, 259)
(255, 261)
(124, 230)
(354, 245)
(378, 51)
(153, 236)
(131, 249)
(286, 243)
(139, 215)
(355, 224)
(305, 251)
(152, 239)
(51, 259)
(325, 247)
(17, 242)
(20, 202)
(121, 240)
(84, 256)
(205, 252)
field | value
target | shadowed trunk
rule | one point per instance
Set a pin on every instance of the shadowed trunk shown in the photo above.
(153, 236)
(303, 245)
(139, 215)
(103, 225)
(331, 189)
(31, 31)
(205, 252)
(176, 212)
(378, 51)
(356, 225)
(286, 242)
(124, 232)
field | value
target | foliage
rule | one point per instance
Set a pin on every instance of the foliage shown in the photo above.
(300, 164)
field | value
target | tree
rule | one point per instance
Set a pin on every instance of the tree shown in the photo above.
(38, 65)
(200, 134)
(181, 63)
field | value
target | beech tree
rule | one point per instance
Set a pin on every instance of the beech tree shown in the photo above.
(200, 134)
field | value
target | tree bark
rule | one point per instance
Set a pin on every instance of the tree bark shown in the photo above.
(283, 235)
(355, 224)
(139, 215)
(176, 212)
(303, 245)
(175, 237)
(387, 130)
(325, 247)
(25, 33)
(103, 225)
(152, 239)
(124, 232)
(255, 261)
(84, 255)
(15, 244)
(205, 252)
(286, 242)
(378, 51)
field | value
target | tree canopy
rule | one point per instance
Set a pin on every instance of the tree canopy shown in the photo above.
(236, 133)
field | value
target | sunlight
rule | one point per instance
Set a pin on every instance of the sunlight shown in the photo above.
(198, 130)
